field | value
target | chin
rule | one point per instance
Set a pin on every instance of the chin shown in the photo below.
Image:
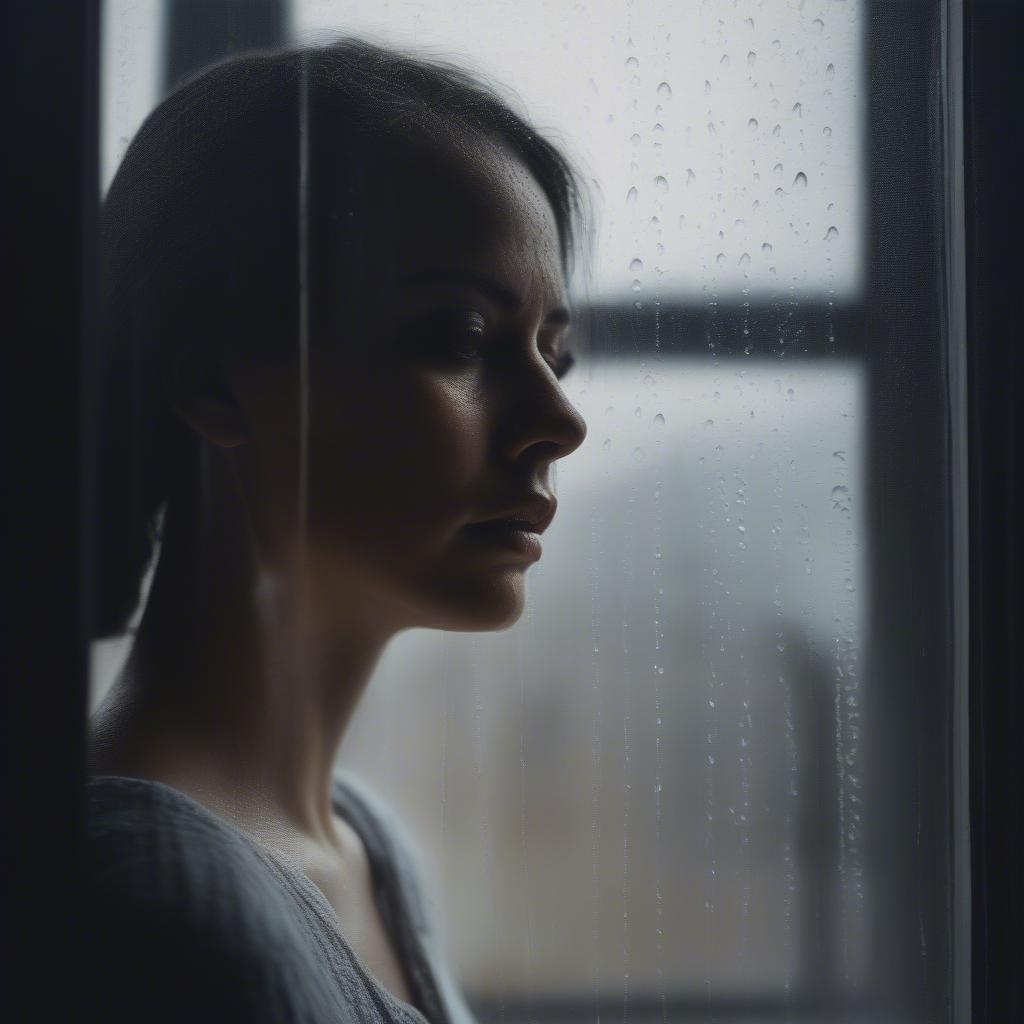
(482, 604)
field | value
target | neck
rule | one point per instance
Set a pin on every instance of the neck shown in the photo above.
(235, 691)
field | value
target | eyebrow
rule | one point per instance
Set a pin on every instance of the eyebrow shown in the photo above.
(502, 296)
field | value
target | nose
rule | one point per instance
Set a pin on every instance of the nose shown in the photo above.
(541, 421)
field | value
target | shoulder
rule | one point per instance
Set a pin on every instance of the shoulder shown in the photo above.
(150, 845)
(183, 919)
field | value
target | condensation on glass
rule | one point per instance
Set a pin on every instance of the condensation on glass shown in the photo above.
(658, 781)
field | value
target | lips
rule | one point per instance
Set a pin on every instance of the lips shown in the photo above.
(508, 534)
(532, 514)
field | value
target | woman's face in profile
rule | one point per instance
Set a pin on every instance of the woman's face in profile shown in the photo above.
(440, 409)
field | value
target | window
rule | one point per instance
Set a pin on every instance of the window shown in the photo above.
(710, 774)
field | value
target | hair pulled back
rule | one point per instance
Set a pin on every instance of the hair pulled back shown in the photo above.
(200, 237)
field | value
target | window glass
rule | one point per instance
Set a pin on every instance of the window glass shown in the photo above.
(706, 775)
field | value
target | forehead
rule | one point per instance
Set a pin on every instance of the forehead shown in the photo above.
(474, 206)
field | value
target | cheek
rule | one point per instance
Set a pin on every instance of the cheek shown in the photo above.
(399, 459)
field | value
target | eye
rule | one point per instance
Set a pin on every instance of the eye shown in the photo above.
(456, 332)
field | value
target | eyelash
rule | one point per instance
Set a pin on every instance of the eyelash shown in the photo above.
(446, 325)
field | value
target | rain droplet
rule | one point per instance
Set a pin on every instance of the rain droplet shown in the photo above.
(690, 176)
(631, 195)
(780, 191)
(800, 181)
(707, 87)
(636, 265)
(709, 424)
(778, 169)
(638, 412)
(833, 232)
(659, 420)
(752, 123)
(725, 60)
(720, 258)
(830, 71)
(636, 286)
(840, 494)
(751, 58)
(664, 90)
(798, 109)
(638, 455)
(748, 21)
(766, 248)
(607, 443)
(818, 24)
(659, 128)
(826, 131)
(840, 455)
(745, 260)
(661, 183)
(635, 139)
(777, 130)
(632, 62)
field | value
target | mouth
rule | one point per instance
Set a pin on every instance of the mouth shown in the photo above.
(510, 534)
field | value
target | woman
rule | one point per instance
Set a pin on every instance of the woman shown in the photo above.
(336, 318)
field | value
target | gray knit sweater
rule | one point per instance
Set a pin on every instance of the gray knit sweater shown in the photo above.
(188, 920)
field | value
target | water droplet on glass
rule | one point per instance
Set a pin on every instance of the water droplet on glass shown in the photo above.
(752, 124)
(745, 259)
(659, 128)
(752, 58)
(777, 130)
(659, 420)
(636, 265)
(749, 22)
(833, 232)
(707, 87)
(840, 495)
(725, 60)
(636, 286)
(720, 258)
(800, 181)
(798, 109)
(661, 183)
(826, 131)
(690, 176)
(635, 139)
(631, 195)
(840, 455)
(709, 424)
(780, 191)
(607, 443)
(638, 455)
(778, 169)
(766, 248)
(632, 62)
(664, 90)
(830, 71)
(818, 24)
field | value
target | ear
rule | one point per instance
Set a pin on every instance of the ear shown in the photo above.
(201, 394)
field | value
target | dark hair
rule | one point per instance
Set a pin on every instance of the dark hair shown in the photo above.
(200, 230)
